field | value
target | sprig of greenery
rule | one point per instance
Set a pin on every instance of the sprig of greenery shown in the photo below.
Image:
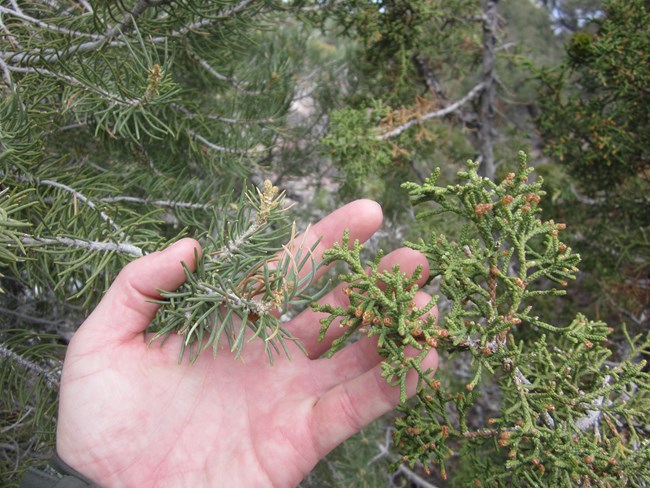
(246, 278)
(381, 304)
(568, 414)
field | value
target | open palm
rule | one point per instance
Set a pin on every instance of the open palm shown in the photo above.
(130, 415)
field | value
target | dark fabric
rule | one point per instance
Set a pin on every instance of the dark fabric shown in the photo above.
(56, 475)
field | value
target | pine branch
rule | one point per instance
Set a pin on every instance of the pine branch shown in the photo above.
(238, 85)
(102, 247)
(50, 27)
(158, 203)
(220, 118)
(52, 379)
(222, 149)
(245, 279)
(28, 318)
(76, 196)
(111, 98)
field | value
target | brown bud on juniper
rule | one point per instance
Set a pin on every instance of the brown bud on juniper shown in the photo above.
(482, 208)
(366, 318)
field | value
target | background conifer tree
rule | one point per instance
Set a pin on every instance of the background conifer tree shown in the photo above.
(594, 119)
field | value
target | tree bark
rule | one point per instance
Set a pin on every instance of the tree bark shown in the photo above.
(487, 132)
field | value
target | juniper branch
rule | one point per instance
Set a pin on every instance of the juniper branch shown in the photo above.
(559, 397)
(473, 93)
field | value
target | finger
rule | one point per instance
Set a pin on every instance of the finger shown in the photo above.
(305, 326)
(350, 406)
(361, 217)
(124, 312)
(362, 355)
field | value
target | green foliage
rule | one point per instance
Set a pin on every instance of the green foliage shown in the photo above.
(124, 122)
(594, 118)
(381, 304)
(580, 48)
(563, 402)
(123, 127)
(246, 272)
(601, 128)
(354, 147)
(126, 125)
(400, 48)
(29, 365)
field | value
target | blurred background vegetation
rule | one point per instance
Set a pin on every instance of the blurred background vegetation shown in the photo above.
(124, 124)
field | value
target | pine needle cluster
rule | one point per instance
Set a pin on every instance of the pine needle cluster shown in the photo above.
(569, 412)
(246, 278)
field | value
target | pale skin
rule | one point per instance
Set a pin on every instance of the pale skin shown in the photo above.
(130, 415)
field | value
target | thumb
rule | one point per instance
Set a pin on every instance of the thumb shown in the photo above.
(124, 312)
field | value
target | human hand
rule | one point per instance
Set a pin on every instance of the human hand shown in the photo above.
(130, 415)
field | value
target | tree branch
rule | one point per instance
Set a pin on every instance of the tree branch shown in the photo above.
(160, 203)
(51, 378)
(222, 149)
(229, 120)
(77, 195)
(110, 98)
(438, 113)
(214, 73)
(50, 27)
(81, 244)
